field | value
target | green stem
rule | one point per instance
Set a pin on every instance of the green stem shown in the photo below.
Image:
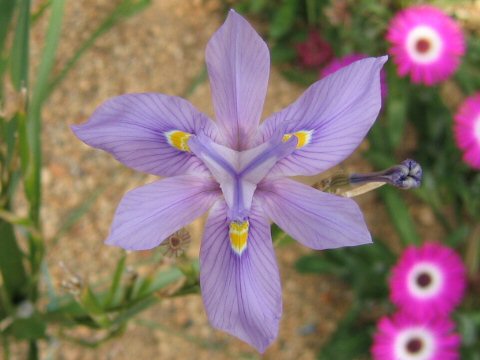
(472, 254)
(33, 350)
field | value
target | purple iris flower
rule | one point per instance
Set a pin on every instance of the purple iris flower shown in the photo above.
(238, 169)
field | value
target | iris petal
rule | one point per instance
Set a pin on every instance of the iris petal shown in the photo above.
(336, 111)
(315, 219)
(149, 214)
(241, 293)
(238, 65)
(142, 131)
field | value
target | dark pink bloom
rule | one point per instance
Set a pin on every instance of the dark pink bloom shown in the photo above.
(467, 130)
(237, 169)
(429, 280)
(404, 337)
(314, 51)
(425, 43)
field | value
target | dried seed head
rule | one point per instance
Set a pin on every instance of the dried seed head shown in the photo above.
(176, 244)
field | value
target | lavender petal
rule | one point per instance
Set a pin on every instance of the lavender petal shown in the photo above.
(132, 128)
(149, 214)
(241, 293)
(340, 109)
(315, 219)
(238, 65)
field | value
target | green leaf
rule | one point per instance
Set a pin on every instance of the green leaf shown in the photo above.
(20, 50)
(300, 76)
(40, 11)
(351, 340)
(282, 54)
(458, 236)
(31, 328)
(159, 281)
(138, 307)
(6, 15)
(90, 302)
(283, 19)
(396, 109)
(10, 133)
(400, 216)
(48, 56)
(117, 277)
(39, 94)
(11, 265)
(318, 264)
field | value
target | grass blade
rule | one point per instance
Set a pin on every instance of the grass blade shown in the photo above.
(20, 53)
(32, 179)
(11, 265)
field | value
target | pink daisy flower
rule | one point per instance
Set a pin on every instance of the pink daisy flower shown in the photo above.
(467, 130)
(426, 43)
(408, 338)
(339, 63)
(429, 280)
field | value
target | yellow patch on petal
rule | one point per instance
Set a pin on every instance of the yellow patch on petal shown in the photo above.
(303, 137)
(178, 139)
(239, 236)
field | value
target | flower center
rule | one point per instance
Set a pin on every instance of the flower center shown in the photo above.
(238, 173)
(414, 345)
(422, 45)
(175, 242)
(424, 279)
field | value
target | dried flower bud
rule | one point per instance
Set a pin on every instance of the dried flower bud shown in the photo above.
(407, 175)
(176, 244)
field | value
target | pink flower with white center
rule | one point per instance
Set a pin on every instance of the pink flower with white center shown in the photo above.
(426, 43)
(467, 130)
(429, 280)
(404, 337)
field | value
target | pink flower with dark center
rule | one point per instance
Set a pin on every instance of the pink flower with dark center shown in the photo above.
(339, 63)
(426, 44)
(429, 280)
(314, 51)
(405, 337)
(237, 169)
(467, 130)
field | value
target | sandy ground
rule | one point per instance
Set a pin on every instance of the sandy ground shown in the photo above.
(160, 50)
